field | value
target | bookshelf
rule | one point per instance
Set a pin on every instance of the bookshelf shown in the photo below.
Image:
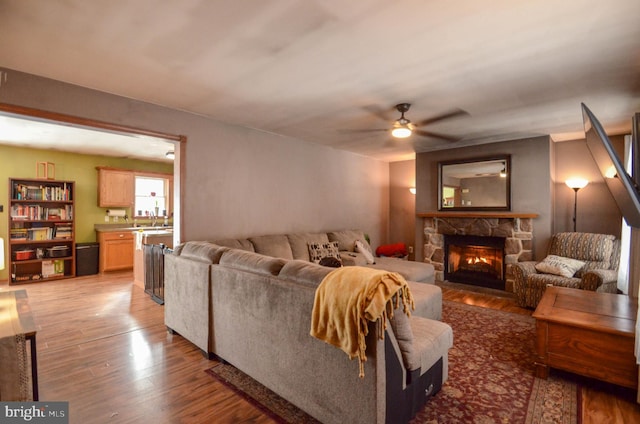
(41, 230)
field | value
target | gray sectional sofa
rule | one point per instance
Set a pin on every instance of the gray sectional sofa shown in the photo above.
(253, 310)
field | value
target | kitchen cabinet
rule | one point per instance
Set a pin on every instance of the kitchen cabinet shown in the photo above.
(116, 250)
(115, 188)
(41, 230)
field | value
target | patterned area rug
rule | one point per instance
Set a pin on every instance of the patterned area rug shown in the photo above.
(491, 377)
(491, 374)
(267, 401)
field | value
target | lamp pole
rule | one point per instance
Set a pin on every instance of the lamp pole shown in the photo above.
(575, 207)
(576, 184)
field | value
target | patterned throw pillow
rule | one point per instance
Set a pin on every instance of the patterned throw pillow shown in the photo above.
(558, 265)
(318, 251)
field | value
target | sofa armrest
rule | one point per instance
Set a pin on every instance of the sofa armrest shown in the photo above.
(521, 272)
(601, 280)
(186, 299)
(525, 268)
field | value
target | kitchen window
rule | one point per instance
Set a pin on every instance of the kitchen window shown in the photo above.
(151, 196)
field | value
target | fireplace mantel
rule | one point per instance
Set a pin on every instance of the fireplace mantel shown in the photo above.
(476, 214)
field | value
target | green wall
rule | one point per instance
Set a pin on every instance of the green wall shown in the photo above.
(21, 163)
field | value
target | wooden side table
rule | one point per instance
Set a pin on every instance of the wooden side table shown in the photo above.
(588, 333)
(21, 322)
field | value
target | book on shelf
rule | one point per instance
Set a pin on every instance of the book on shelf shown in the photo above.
(62, 231)
(18, 234)
(60, 193)
(40, 213)
(42, 233)
(52, 268)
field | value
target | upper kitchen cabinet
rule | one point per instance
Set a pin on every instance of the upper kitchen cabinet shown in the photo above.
(115, 187)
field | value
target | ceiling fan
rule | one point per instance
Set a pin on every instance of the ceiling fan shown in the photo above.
(403, 127)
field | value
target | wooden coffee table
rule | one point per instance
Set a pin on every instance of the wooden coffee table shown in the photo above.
(588, 333)
(18, 319)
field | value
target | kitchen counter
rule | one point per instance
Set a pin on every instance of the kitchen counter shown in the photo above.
(121, 246)
(127, 227)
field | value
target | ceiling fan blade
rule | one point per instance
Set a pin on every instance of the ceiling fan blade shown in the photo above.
(383, 113)
(352, 131)
(448, 115)
(436, 135)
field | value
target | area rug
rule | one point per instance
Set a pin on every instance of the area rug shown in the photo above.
(491, 377)
(492, 374)
(264, 399)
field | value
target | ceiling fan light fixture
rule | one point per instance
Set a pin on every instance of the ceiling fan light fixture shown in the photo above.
(402, 131)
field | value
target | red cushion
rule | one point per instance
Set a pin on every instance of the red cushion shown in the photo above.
(396, 249)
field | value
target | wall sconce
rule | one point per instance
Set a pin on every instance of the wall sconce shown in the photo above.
(412, 190)
(576, 184)
(1, 253)
(503, 173)
(170, 155)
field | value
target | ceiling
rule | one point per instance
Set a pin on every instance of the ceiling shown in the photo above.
(317, 70)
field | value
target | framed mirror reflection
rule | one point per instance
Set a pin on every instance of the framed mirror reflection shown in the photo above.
(475, 184)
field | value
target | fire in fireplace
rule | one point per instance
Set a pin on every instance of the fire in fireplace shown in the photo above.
(475, 260)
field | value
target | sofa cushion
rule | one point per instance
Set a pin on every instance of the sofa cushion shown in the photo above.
(317, 251)
(273, 245)
(253, 262)
(300, 243)
(201, 251)
(346, 239)
(410, 270)
(242, 244)
(404, 335)
(431, 341)
(304, 272)
(558, 265)
(352, 259)
(597, 250)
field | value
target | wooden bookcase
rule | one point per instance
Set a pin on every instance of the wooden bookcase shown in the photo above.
(41, 230)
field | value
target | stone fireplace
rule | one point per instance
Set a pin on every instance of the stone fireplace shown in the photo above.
(515, 229)
(476, 260)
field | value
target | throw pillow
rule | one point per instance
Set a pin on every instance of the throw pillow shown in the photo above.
(330, 261)
(365, 249)
(558, 265)
(318, 251)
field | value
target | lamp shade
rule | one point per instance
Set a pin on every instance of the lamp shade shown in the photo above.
(577, 183)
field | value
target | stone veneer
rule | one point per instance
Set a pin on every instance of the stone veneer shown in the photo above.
(517, 231)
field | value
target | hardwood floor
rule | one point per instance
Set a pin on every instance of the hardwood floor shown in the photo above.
(103, 347)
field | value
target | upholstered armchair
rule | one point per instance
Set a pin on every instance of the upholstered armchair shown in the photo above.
(584, 261)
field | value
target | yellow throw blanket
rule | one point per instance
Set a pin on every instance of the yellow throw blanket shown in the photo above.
(348, 298)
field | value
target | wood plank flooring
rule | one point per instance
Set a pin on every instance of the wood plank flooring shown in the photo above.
(103, 347)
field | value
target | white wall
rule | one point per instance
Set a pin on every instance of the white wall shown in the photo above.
(237, 181)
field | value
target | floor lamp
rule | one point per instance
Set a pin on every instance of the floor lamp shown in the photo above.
(576, 184)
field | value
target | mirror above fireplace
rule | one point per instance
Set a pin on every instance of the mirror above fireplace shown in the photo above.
(475, 184)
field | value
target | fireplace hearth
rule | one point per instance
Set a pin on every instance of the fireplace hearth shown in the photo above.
(475, 260)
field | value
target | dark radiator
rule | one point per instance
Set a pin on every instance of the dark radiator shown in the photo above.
(154, 271)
